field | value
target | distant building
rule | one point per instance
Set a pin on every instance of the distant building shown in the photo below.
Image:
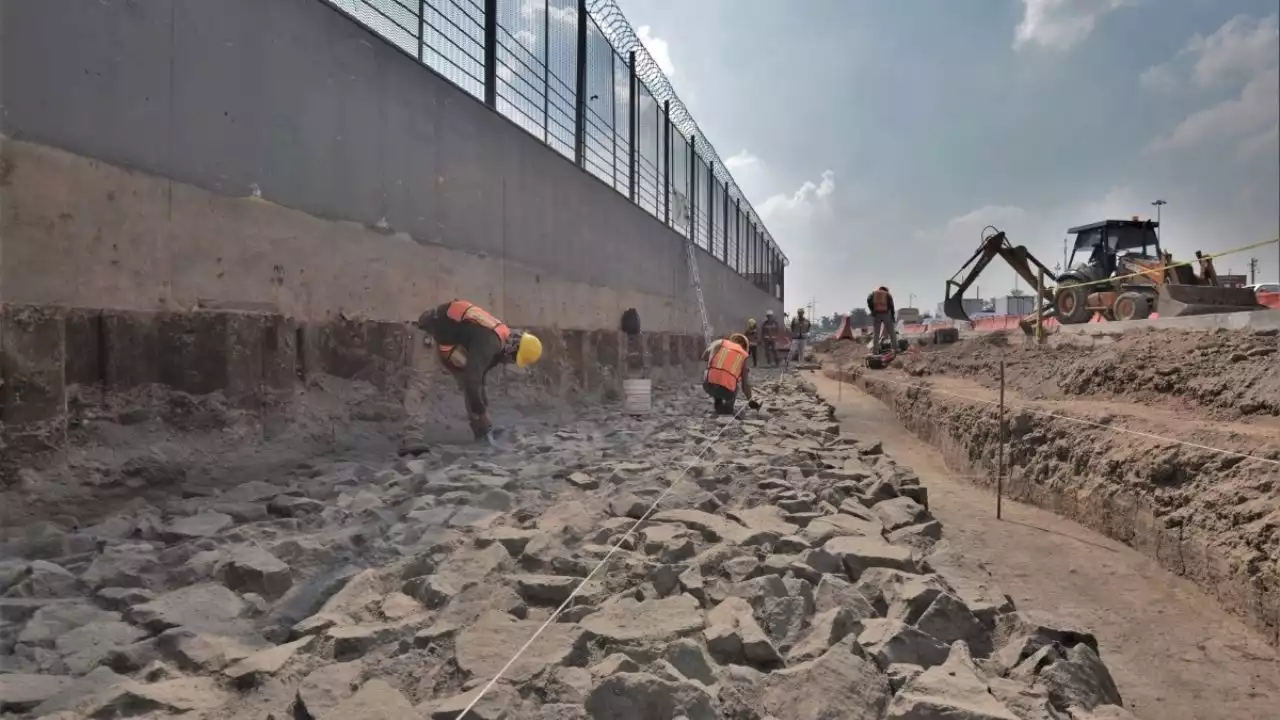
(909, 314)
(1015, 305)
(1233, 281)
(972, 306)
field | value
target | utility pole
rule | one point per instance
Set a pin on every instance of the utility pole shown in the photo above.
(1159, 204)
(1065, 267)
(1253, 271)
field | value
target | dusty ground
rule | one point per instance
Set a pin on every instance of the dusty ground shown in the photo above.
(1171, 476)
(1211, 665)
(785, 576)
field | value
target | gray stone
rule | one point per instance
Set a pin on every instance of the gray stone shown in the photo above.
(902, 673)
(860, 553)
(889, 642)
(486, 646)
(87, 646)
(713, 527)
(953, 689)
(791, 544)
(209, 650)
(734, 636)
(823, 529)
(21, 692)
(827, 629)
(690, 658)
(948, 619)
(205, 524)
(102, 693)
(766, 518)
(1079, 678)
(293, 506)
(198, 606)
(899, 512)
(627, 620)
(353, 641)
(614, 664)
(513, 539)
(323, 689)
(375, 700)
(497, 704)
(839, 685)
(43, 579)
(251, 670)
(119, 599)
(833, 592)
(642, 696)
(1019, 634)
(251, 569)
(126, 565)
(54, 619)
(583, 481)
(628, 505)
(554, 589)
(432, 591)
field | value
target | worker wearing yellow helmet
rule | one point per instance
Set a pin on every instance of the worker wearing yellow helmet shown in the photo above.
(727, 373)
(753, 340)
(470, 342)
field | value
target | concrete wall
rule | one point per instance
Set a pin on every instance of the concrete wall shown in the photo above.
(271, 154)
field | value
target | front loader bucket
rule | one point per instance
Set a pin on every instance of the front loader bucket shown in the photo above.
(1179, 300)
(953, 307)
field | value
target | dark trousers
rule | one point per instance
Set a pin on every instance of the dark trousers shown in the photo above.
(754, 351)
(724, 398)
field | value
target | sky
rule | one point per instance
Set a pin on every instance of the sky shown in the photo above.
(876, 138)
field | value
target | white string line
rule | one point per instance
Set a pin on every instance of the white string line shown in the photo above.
(1081, 421)
(605, 560)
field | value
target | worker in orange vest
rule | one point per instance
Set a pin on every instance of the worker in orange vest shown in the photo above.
(470, 342)
(727, 373)
(883, 317)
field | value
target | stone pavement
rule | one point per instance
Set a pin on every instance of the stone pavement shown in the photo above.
(785, 575)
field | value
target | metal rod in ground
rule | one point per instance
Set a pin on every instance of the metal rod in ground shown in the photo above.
(1000, 448)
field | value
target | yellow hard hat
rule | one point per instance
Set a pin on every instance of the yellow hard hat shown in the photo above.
(751, 322)
(529, 351)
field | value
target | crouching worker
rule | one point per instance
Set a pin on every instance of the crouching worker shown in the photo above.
(727, 373)
(470, 342)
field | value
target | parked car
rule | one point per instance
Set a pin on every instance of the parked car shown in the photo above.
(1264, 287)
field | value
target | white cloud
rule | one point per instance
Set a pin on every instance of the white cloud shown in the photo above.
(1265, 145)
(803, 202)
(1061, 24)
(743, 160)
(658, 49)
(1238, 50)
(564, 13)
(1159, 78)
(975, 220)
(1257, 108)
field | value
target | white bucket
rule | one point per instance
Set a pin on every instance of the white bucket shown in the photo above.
(637, 396)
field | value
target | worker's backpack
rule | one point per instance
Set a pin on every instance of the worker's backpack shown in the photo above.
(631, 322)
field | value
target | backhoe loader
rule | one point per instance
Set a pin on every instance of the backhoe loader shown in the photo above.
(1126, 276)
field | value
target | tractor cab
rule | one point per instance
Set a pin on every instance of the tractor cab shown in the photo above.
(1100, 246)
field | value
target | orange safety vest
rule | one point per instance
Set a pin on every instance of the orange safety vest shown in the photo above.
(725, 367)
(465, 312)
(880, 301)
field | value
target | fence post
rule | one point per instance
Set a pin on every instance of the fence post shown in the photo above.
(631, 127)
(422, 26)
(724, 227)
(613, 110)
(546, 72)
(693, 191)
(580, 99)
(666, 160)
(491, 53)
(737, 235)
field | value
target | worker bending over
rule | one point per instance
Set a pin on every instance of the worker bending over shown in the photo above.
(883, 316)
(471, 342)
(727, 373)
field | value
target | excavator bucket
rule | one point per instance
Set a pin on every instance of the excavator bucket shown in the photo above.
(953, 307)
(1177, 300)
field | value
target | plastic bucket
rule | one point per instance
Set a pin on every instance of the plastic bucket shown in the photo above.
(637, 396)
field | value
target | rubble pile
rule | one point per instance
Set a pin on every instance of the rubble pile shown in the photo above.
(785, 575)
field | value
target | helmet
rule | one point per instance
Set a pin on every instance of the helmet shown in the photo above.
(768, 313)
(529, 350)
(740, 340)
(751, 322)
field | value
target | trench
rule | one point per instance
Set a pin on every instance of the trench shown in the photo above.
(1079, 473)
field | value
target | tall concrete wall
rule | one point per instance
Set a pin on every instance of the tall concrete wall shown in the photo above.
(272, 154)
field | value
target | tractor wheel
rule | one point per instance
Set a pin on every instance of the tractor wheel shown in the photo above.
(1131, 306)
(1072, 303)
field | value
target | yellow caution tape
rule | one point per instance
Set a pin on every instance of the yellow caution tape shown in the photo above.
(1147, 273)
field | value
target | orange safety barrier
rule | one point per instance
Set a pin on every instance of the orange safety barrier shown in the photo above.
(1270, 299)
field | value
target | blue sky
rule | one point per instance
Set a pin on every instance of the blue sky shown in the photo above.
(878, 137)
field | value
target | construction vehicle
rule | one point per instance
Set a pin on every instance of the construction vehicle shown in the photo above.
(1124, 275)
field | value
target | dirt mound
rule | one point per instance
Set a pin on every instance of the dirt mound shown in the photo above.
(1229, 373)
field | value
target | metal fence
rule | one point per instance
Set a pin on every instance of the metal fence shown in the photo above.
(574, 74)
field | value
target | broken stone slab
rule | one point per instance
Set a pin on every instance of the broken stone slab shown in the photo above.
(197, 606)
(513, 540)
(21, 692)
(764, 518)
(482, 649)
(921, 536)
(1020, 634)
(102, 693)
(823, 529)
(121, 599)
(826, 630)
(201, 525)
(890, 641)
(614, 664)
(497, 704)
(785, 618)
(375, 700)
(733, 635)
(691, 660)
(582, 481)
(293, 506)
(713, 527)
(87, 646)
(834, 592)
(125, 565)
(838, 685)
(45, 580)
(902, 673)
(324, 688)
(1073, 676)
(953, 689)
(900, 595)
(858, 554)
(353, 641)
(250, 569)
(53, 619)
(899, 512)
(627, 620)
(628, 505)
(948, 619)
(555, 589)
(398, 606)
(254, 668)
(206, 650)
(642, 696)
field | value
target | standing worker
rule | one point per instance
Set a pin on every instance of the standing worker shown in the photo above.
(753, 339)
(883, 316)
(470, 343)
(799, 332)
(727, 372)
(769, 338)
